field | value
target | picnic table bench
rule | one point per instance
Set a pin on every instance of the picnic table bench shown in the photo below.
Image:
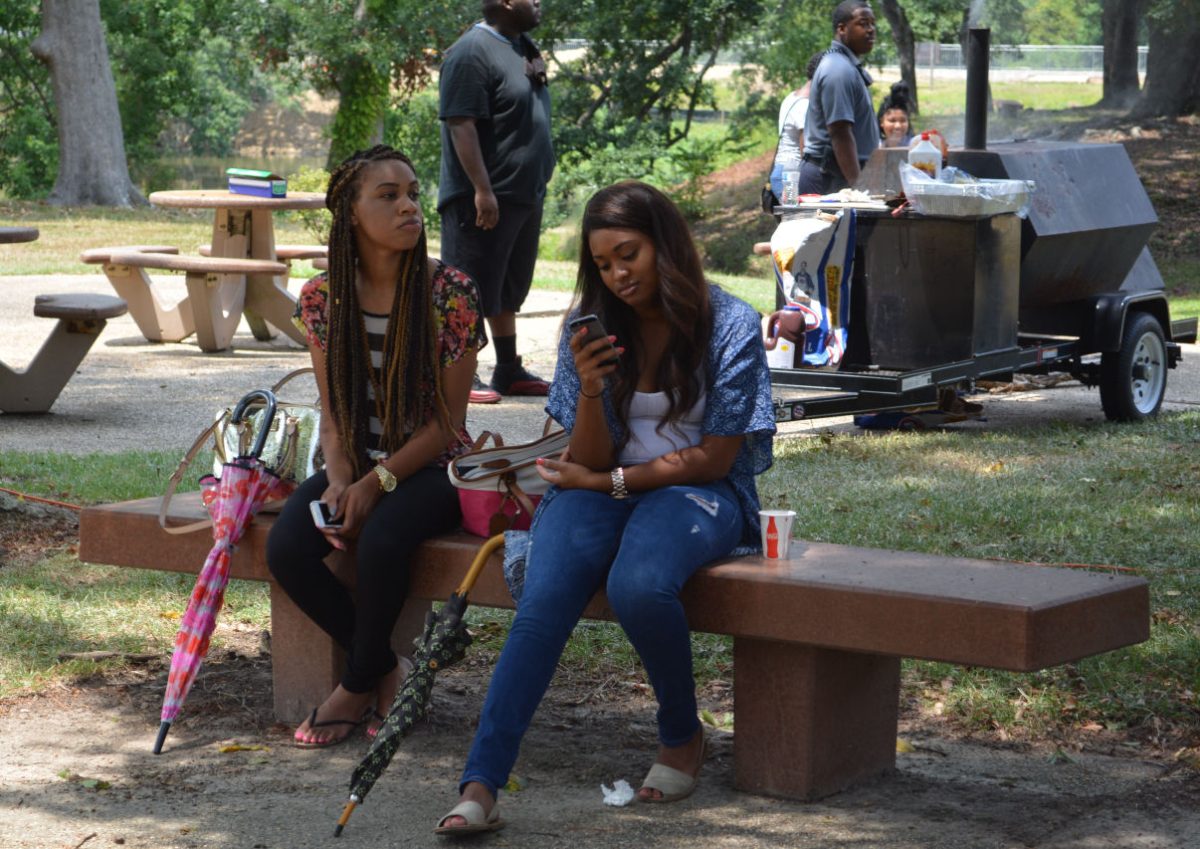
(81, 318)
(817, 638)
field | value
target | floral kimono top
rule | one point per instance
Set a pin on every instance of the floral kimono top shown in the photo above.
(456, 310)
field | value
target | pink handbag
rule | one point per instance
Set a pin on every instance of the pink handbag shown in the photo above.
(499, 487)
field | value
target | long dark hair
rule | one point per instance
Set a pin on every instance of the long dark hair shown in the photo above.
(682, 292)
(410, 361)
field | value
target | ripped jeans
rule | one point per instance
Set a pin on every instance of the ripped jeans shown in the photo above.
(641, 550)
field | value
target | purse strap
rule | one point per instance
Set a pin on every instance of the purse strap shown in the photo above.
(177, 476)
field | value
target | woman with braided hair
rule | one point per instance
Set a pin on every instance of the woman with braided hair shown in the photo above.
(393, 336)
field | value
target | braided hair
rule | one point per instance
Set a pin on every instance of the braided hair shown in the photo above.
(410, 376)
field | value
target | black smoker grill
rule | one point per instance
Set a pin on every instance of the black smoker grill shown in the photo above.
(938, 302)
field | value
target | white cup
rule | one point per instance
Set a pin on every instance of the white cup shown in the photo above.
(776, 532)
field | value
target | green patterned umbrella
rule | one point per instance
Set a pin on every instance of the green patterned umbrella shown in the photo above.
(443, 642)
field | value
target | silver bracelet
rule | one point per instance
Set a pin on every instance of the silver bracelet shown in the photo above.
(619, 490)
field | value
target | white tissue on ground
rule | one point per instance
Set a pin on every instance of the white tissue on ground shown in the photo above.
(619, 795)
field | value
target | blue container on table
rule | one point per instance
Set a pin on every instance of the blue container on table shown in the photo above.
(248, 181)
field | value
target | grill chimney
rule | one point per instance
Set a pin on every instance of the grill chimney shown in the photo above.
(978, 45)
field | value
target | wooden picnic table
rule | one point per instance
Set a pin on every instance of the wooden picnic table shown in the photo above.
(243, 228)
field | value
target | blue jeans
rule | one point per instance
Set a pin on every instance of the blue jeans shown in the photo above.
(641, 551)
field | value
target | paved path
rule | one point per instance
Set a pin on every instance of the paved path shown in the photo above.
(131, 394)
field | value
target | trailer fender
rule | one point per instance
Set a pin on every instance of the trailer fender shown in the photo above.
(1110, 312)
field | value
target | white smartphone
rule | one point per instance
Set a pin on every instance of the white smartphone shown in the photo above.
(595, 330)
(322, 515)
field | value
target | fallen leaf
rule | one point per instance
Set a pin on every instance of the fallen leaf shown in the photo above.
(239, 747)
(903, 747)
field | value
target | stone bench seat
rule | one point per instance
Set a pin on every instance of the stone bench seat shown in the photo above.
(198, 264)
(156, 321)
(817, 638)
(284, 253)
(81, 318)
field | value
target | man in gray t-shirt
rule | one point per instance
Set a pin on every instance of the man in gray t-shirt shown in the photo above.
(840, 129)
(497, 157)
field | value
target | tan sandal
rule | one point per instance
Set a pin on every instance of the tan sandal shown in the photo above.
(673, 784)
(472, 812)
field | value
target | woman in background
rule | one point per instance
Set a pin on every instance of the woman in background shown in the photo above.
(895, 129)
(792, 113)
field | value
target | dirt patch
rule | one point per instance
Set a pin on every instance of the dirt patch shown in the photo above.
(78, 772)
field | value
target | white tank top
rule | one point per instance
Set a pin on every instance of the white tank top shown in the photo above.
(646, 410)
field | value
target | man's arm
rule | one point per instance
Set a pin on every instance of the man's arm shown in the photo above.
(465, 139)
(845, 151)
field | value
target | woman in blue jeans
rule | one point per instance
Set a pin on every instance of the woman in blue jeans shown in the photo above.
(658, 480)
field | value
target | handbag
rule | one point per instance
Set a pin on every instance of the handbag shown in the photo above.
(293, 442)
(499, 487)
(284, 435)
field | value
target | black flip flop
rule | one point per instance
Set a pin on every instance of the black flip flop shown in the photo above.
(329, 723)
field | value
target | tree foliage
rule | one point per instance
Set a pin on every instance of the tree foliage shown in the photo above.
(28, 141)
(634, 91)
(361, 51)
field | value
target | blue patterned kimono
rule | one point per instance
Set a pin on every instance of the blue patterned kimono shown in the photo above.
(738, 404)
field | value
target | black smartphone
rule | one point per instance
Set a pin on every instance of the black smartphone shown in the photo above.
(595, 330)
(322, 515)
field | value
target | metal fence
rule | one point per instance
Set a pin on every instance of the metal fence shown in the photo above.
(1023, 57)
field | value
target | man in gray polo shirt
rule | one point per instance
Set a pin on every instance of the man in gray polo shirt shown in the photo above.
(497, 157)
(840, 130)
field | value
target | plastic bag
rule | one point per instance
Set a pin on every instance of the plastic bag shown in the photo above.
(958, 194)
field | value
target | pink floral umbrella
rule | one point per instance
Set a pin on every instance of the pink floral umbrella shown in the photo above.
(232, 501)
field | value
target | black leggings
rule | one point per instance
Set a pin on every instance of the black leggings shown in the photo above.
(422, 506)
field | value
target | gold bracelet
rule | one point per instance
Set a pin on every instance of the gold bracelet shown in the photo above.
(585, 395)
(619, 490)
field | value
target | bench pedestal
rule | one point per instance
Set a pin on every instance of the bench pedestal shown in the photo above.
(811, 722)
(306, 664)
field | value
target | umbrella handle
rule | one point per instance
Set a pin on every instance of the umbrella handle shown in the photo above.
(269, 399)
(481, 559)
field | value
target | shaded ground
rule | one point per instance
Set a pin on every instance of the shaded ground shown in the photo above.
(76, 770)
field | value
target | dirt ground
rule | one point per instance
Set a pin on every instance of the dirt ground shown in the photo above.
(76, 769)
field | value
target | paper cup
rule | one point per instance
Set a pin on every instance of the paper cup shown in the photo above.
(776, 532)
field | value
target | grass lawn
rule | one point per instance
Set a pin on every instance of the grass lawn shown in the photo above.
(1114, 496)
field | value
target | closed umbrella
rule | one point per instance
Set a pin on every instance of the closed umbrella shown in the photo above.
(232, 500)
(444, 641)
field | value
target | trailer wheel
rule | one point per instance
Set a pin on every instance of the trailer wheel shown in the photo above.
(1133, 380)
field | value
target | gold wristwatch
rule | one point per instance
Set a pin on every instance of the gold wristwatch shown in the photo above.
(387, 481)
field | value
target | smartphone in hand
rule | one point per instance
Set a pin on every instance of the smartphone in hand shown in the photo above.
(322, 515)
(595, 330)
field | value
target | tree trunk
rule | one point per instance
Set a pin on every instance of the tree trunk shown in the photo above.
(902, 34)
(1172, 73)
(1121, 83)
(92, 168)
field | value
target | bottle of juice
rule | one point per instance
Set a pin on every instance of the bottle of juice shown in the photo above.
(927, 156)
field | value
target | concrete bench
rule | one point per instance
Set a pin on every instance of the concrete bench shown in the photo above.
(817, 639)
(81, 318)
(215, 285)
(158, 323)
(285, 253)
